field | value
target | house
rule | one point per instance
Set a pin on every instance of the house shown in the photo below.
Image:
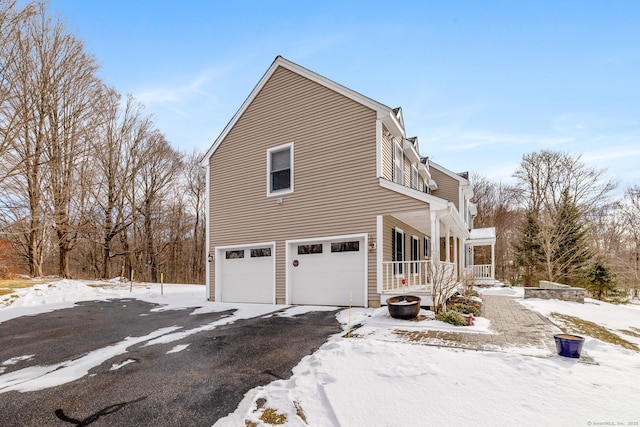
(317, 196)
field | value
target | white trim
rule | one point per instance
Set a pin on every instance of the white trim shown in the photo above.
(289, 258)
(414, 181)
(423, 171)
(378, 149)
(291, 158)
(410, 151)
(207, 226)
(219, 255)
(435, 202)
(383, 112)
(379, 252)
(398, 163)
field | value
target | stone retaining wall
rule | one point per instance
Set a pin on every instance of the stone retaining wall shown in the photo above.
(550, 290)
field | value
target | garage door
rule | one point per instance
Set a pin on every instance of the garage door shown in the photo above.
(326, 272)
(247, 274)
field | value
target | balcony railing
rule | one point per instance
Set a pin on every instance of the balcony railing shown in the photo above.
(481, 271)
(406, 276)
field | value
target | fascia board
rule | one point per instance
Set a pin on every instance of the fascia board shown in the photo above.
(435, 203)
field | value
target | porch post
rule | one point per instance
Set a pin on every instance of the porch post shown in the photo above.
(455, 256)
(435, 237)
(447, 246)
(493, 261)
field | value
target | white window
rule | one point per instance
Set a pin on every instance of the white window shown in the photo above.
(398, 164)
(415, 255)
(280, 170)
(414, 177)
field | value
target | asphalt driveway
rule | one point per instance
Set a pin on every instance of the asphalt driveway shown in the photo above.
(149, 384)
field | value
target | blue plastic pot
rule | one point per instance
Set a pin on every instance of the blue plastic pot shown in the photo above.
(569, 345)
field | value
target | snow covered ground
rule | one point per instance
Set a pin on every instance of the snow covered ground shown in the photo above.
(378, 380)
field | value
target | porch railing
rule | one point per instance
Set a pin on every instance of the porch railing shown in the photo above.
(406, 276)
(481, 271)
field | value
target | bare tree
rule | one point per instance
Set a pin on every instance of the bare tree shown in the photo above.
(556, 187)
(81, 170)
(630, 213)
(196, 187)
(68, 83)
(119, 131)
(442, 277)
(159, 166)
(545, 177)
(12, 20)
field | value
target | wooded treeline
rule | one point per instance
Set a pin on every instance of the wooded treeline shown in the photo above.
(89, 186)
(561, 222)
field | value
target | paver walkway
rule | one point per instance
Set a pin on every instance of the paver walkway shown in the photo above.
(515, 327)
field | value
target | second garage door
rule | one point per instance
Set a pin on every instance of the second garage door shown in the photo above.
(327, 272)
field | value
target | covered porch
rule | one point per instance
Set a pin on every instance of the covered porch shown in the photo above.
(483, 272)
(413, 245)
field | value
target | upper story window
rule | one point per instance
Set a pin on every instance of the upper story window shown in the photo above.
(280, 169)
(415, 182)
(398, 164)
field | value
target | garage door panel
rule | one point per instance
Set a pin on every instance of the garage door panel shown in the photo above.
(328, 278)
(247, 278)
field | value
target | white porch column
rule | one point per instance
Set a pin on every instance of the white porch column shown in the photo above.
(435, 237)
(447, 246)
(493, 261)
(455, 256)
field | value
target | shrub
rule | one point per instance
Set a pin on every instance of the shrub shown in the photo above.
(453, 317)
(465, 309)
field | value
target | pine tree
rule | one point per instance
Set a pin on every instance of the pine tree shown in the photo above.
(569, 249)
(600, 280)
(528, 249)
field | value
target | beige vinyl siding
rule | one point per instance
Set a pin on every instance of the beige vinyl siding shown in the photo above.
(448, 187)
(389, 223)
(336, 191)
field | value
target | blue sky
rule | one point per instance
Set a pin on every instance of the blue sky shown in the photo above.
(480, 82)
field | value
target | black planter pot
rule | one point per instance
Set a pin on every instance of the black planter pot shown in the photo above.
(569, 345)
(404, 307)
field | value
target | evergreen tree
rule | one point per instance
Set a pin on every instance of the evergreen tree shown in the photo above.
(600, 280)
(569, 250)
(529, 253)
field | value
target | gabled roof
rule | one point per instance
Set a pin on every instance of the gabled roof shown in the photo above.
(446, 171)
(383, 112)
(462, 178)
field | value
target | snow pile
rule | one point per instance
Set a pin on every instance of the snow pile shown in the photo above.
(60, 294)
(378, 324)
(371, 381)
(358, 382)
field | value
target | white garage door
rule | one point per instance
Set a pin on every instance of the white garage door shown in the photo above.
(328, 272)
(247, 274)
